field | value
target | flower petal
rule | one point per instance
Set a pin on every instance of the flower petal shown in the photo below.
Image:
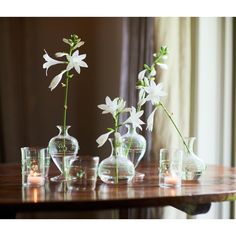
(77, 68)
(69, 66)
(141, 74)
(61, 54)
(56, 80)
(83, 64)
(82, 56)
(103, 138)
(150, 120)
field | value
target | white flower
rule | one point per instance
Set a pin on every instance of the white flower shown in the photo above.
(150, 120)
(113, 107)
(163, 66)
(50, 62)
(56, 80)
(103, 138)
(76, 61)
(155, 92)
(134, 118)
(141, 74)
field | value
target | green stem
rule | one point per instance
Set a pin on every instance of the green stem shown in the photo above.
(173, 122)
(66, 101)
(115, 147)
(65, 114)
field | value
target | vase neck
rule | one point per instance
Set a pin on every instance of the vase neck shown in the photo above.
(115, 149)
(63, 130)
(131, 129)
(189, 142)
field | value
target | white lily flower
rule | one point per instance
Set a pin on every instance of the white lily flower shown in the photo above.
(163, 66)
(150, 120)
(56, 80)
(50, 62)
(76, 61)
(113, 107)
(103, 138)
(141, 74)
(134, 118)
(155, 92)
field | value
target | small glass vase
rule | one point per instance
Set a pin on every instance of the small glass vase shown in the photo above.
(116, 169)
(134, 147)
(62, 148)
(192, 166)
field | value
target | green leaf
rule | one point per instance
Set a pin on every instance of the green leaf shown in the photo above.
(110, 129)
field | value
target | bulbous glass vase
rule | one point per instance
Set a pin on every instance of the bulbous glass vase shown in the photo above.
(116, 169)
(192, 166)
(134, 147)
(62, 148)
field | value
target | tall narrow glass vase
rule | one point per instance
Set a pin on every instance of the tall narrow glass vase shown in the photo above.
(62, 148)
(193, 166)
(134, 147)
(116, 169)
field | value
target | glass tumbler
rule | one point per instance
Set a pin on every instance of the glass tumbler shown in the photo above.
(82, 173)
(170, 169)
(33, 166)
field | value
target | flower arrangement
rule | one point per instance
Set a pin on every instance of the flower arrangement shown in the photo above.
(149, 91)
(73, 61)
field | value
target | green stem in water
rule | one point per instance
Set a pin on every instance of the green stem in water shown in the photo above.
(173, 122)
(115, 147)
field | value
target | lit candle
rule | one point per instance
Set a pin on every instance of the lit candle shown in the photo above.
(171, 180)
(35, 179)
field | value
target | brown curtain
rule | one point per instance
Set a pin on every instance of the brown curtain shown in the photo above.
(29, 111)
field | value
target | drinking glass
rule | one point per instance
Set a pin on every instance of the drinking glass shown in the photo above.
(82, 173)
(34, 166)
(170, 169)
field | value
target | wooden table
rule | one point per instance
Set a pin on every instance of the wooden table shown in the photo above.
(216, 185)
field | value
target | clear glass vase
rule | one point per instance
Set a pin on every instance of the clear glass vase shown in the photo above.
(134, 147)
(62, 148)
(192, 166)
(116, 169)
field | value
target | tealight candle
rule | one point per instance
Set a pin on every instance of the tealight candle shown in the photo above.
(35, 179)
(171, 180)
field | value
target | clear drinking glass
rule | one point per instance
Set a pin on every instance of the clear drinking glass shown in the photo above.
(33, 166)
(170, 169)
(82, 173)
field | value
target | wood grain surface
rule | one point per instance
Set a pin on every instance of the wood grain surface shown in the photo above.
(217, 184)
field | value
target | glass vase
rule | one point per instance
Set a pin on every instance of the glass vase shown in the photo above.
(134, 147)
(192, 166)
(62, 148)
(116, 169)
